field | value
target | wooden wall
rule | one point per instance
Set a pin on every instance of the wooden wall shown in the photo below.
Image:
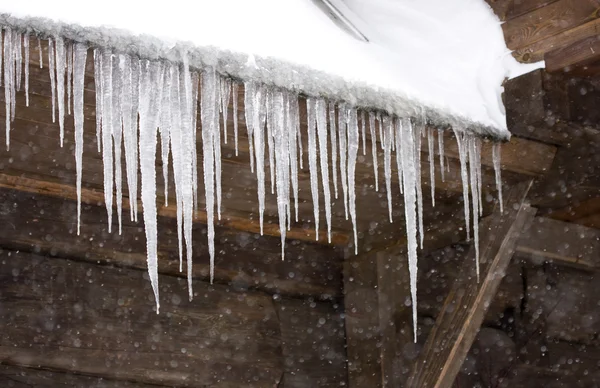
(79, 311)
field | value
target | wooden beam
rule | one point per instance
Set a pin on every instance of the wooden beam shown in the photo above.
(378, 319)
(48, 225)
(548, 21)
(560, 242)
(574, 57)
(96, 320)
(534, 52)
(464, 309)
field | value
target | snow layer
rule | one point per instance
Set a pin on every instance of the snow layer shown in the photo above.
(295, 46)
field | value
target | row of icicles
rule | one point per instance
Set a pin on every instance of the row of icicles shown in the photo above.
(138, 100)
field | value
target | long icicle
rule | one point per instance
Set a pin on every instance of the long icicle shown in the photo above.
(334, 145)
(462, 152)
(352, 156)
(293, 147)
(410, 198)
(107, 140)
(471, 149)
(312, 159)
(431, 154)
(321, 112)
(26, 48)
(8, 81)
(441, 151)
(80, 56)
(60, 66)
(117, 127)
(148, 112)
(99, 95)
(387, 161)
(282, 164)
(343, 149)
(235, 96)
(209, 116)
(374, 149)
(249, 91)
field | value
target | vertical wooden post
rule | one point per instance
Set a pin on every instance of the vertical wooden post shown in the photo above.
(378, 319)
(465, 306)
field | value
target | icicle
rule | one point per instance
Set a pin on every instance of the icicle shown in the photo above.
(135, 105)
(269, 112)
(312, 159)
(40, 53)
(69, 75)
(410, 188)
(296, 107)
(117, 128)
(60, 66)
(321, 113)
(259, 147)
(418, 134)
(148, 112)
(472, 150)
(478, 171)
(177, 140)
(399, 166)
(333, 135)
(379, 121)
(13, 74)
(234, 92)
(18, 58)
(217, 150)
(430, 146)
(363, 126)
(187, 100)
(374, 149)
(293, 147)
(352, 155)
(343, 149)
(282, 158)
(80, 56)
(249, 91)
(129, 127)
(387, 160)
(99, 95)
(462, 152)
(8, 81)
(225, 95)
(441, 150)
(496, 150)
(1, 57)
(26, 47)
(165, 132)
(107, 145)
(195, 83)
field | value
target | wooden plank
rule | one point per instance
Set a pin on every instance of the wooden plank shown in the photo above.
(566, 301)
(520, 7)
(560, 242)
(378, 319)
(464, 309)
(573, 57)
(548, 21)
(535, 52)
(22, 377)
(314, 343)
(48, 225)
(97, 320)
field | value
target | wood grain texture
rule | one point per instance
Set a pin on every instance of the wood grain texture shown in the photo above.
(575, 57)
(548, 21)
(48, 225)
(101, 321)
(561, 243)
(468, 300)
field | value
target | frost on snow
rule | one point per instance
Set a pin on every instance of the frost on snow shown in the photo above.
(139, 99)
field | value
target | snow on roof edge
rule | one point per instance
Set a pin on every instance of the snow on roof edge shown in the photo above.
(269, 71)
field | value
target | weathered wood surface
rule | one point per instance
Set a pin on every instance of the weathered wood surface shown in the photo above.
(466, 304)
(378, 319)
(509, 9)
(564, 303)
(23, 377)
(313, 342)
(48, 225)
(100, 321)
(560, 242)
(542, 23)
(579, 58)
